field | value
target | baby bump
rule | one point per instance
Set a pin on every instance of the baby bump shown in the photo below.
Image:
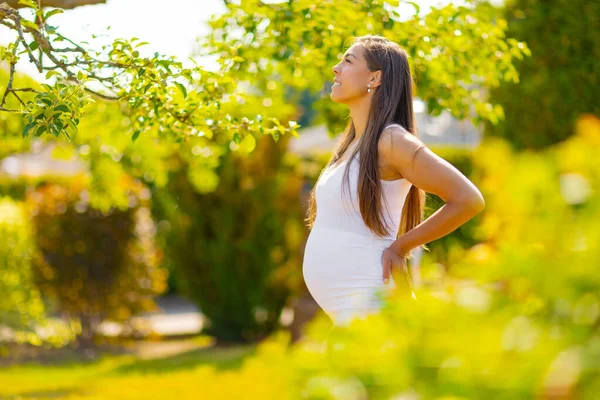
(338, 266)
(330, 260)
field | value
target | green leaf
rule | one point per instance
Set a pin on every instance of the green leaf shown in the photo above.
(248, 144)
(389, 24)
(72, 124)
(29, 24)
(135, 135)
(51, 73)
(62, 108)
(47, 102)
(34, 45)
(29, 3)
(26, 129)
(53, 12)
(54, 129)
(41, 129)
(165, 64)
(182, 88)
(415, 5)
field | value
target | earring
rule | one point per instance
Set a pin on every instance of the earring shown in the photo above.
(369, 90)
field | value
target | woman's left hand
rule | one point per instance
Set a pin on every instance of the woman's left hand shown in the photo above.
(394, 263)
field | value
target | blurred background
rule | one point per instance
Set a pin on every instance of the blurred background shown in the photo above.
(167, 264)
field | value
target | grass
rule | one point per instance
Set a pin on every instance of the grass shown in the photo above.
(128, 375)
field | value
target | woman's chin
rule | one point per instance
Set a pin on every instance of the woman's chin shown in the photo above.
(335, 98)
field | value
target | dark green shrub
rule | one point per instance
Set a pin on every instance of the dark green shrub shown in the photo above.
(21, 308)
(95, 265)
(560, 80)
(236, 251)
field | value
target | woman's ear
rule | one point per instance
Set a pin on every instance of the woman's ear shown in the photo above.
(376, 80)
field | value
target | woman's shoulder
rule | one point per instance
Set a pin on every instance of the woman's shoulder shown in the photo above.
(394, 125)
(394, 134)
(395, 141)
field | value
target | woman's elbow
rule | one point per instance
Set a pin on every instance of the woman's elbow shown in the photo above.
(476, 203)
(473, 202)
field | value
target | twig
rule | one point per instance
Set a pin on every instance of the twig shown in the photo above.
(10, 77)
(14, 93)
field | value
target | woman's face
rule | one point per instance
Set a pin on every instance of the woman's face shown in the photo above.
(351, 76)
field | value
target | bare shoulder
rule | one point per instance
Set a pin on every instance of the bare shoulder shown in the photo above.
(406, 154)
(396, 142)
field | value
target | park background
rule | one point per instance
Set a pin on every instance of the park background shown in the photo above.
(150, 254)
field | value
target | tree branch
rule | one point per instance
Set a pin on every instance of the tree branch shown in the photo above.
(66, 4)
(10, 78)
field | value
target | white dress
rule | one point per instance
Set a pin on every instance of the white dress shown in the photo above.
(342, 265)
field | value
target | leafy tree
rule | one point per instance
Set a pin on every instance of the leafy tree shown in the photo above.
(163, 97)
(458, 52)
(560, 80)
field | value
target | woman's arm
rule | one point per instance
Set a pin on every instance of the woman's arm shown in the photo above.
(411, 158)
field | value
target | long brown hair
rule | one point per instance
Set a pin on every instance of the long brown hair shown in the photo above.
(392, 103)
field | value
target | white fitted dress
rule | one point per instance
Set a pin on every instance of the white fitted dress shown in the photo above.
(342, 265)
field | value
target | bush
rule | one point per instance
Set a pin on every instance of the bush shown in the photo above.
(95, 265)
(236, 251)
(560, 79)
(21, 308)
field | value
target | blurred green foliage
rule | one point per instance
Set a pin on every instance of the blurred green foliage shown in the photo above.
(561, 78)
(95, 265)
(21, 308)
(517, 315)
(235, 251)
(110, 157)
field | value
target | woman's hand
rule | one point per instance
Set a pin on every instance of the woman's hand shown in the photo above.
(394, 263)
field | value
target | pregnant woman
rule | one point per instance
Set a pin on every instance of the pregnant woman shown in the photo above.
(365, 211)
